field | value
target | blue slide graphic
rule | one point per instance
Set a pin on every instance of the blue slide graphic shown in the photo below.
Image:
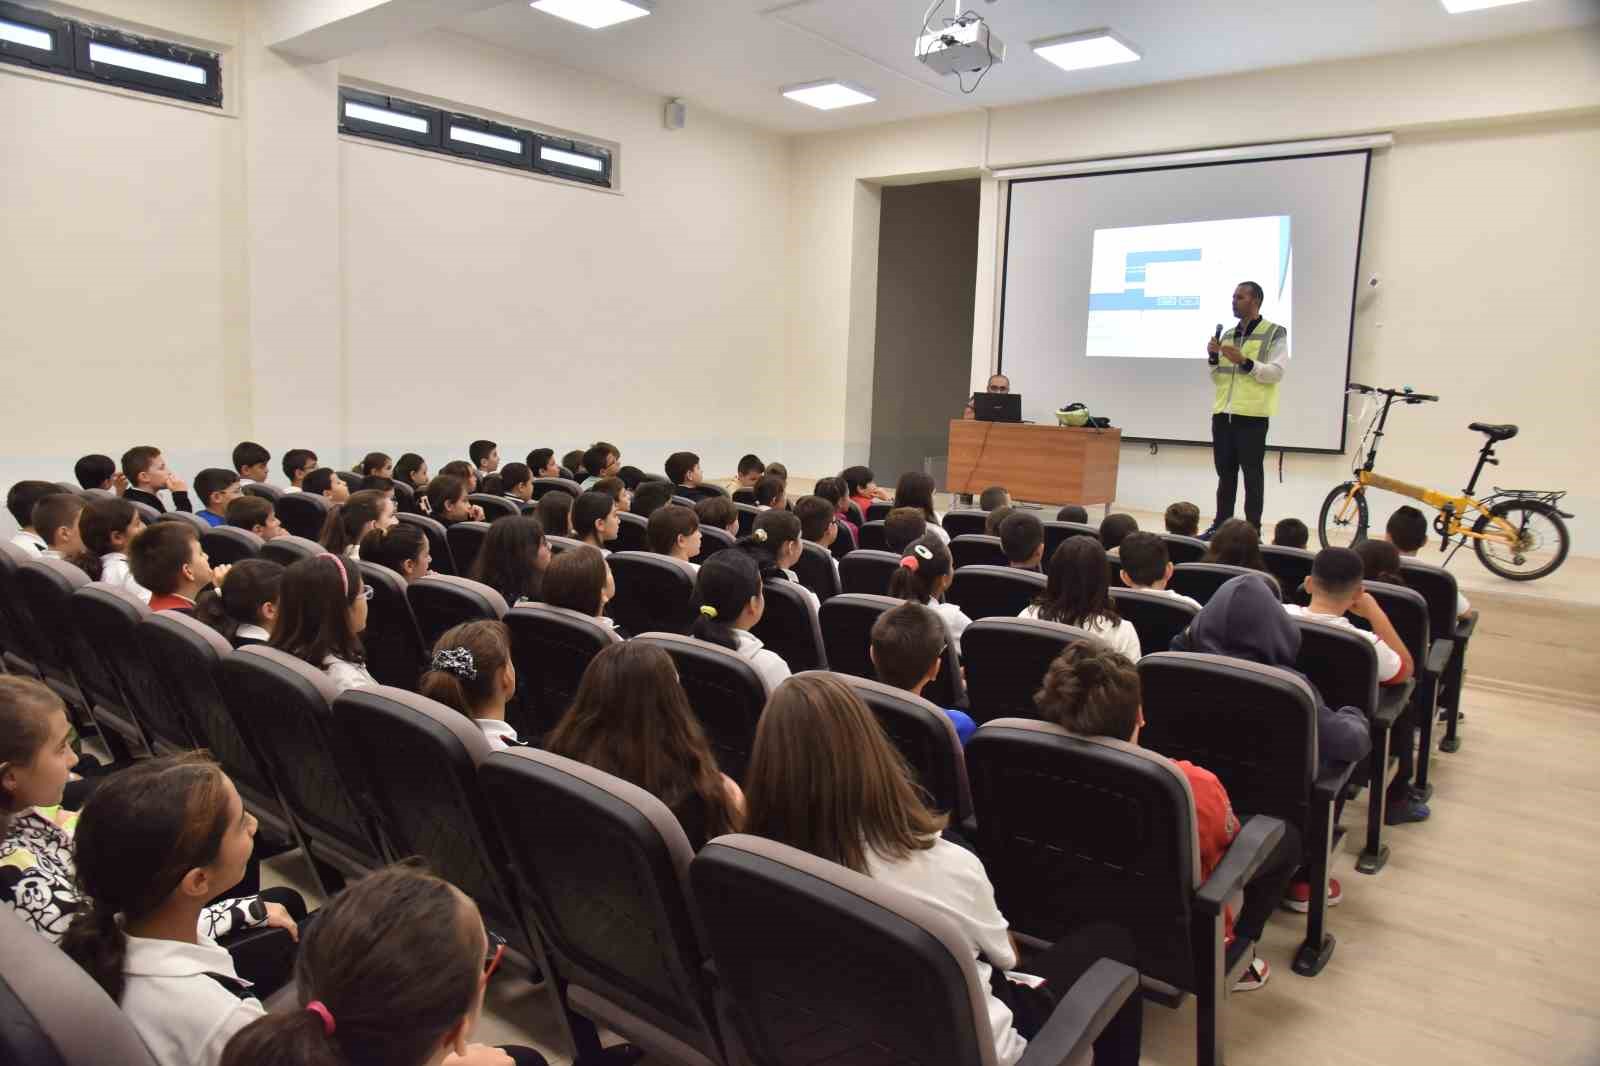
(1134, 299)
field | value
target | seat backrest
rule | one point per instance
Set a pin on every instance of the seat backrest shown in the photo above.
(542, 485)
(108, 618)
(1253, 726)
(603, 867)
(439, 602)
(817, 570)
(712, 540)
(1290, 566)
(395, 652)
(146, 512)
(193, 521)
(1182, 549)
(1341, 665)
(977, 549)
(812, 985)
(1127, 854)
(725, 691)
(1408, 613)
(872, 537)
(97, 494)
(867, 570)
(466, 541)
(789, 626)
(844, 540)
(653, 592)
(1156, 618)
(748, 513)
(263, 490)
(632, 533)
(405, 497)
(1006, 660)
(494, 506)
(1438, 589)
(847, 621)
(1200, 581)
(994, 591)
(1056, 532)
(290, 549)
(744, 496)
(52, 1013)
(15, 628)
(927, 739)
(877, 512)
(229, 544)
(303, 513)
(438, 542)
(46, 587)
(562, 544)
(551, 647)
(963, 522)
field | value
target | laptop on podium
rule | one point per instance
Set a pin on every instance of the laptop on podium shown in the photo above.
(997, 406)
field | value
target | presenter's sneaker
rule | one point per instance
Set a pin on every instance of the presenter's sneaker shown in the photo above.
(1409, 810)
(1298, 898)
(1210, 532)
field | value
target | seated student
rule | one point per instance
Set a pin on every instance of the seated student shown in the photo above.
(750, 469)
(728, 600)
(401, 547)
(993, 497)
(863, 489)
(824, 778)
(377, 483)
(322, 611)
(631, 477)
(257, 515)
(1147, 565)
(775, 544)
(579, 579)
(778, 470)
(167, 559)
(146, 470)
(108, 528)
(1182, 519)
(393, 971)
(907, 651)
(594, 519)
(1407, 530)
(1335, 588)
(554, 511)
(1114, 529)
(348, 522)
(216, 488)
(817, 522)
(1380, 561)
(513, 559)
(631, 719)
(297, 463)
(485, 455)
(250, 461)
(542, 461)
(771, 492)
(55, 519)
(675, 530)
(246, 604)
(1077, 593)
(1073, 512)
(617, 489)
(683, 470)
(834, 491)
(447, 503)
(1092, 691)
(1022, 539)
(996, 518)
(374, 464)
(21, 499)
(99, 472)
(924, 576)
(650, 496)
(471, 672)
(915, 489)
(902, 527)
(573, 461)
(1236, 543)
(718, 513)
(156, 842)
(601, 460)
(465, 471)
(516, 483)
(324, 481)
(411, 470)
(1290, 533)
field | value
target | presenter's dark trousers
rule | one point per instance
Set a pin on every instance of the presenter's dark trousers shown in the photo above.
(1239, 443)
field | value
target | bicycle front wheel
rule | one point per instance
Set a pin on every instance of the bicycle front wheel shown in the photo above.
(1343, 522)
(1542, 540)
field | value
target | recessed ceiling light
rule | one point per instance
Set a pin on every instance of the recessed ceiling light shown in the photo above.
(827, 95)
(1456, 7)
(1080, 51)
(595, 14)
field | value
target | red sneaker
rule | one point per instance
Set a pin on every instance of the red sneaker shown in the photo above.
(1298, 898)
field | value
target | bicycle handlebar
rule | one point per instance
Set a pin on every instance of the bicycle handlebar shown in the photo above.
(1399, 394)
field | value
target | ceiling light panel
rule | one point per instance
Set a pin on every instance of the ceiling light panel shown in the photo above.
(829, 95)
(594, 14)
(1082, 51)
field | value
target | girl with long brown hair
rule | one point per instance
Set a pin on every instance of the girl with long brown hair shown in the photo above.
(1077, 592)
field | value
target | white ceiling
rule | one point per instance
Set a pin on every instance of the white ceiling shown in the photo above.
(732, 56)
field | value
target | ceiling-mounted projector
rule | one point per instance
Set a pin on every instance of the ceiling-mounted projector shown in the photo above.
(965, 46)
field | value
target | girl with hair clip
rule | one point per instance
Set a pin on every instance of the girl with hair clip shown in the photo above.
(631, 719)
(824, 778)
(925, 573)
(393, 971)
(1236, 543)
(728, 600)
(446, 501)
(348, 522)
(915, 489)
(513, 559)
(156, 842)
(322, 610)
(776, 545)
(246, 604)
(375, 464)
(471, 672)
(401, 547)
(108, 528)
(1077, 593)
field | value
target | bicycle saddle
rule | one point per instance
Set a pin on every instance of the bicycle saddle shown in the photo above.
(1496, 433)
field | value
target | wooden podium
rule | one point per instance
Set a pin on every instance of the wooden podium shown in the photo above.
(1041, 464)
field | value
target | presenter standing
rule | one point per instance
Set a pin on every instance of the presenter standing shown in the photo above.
(1246, 367)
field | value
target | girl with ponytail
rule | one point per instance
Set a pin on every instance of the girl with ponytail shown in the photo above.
(246, 605)
(348, 522)
(401, 547)
(776, 545)
(471, 672)
(728, 601)
(925, 574)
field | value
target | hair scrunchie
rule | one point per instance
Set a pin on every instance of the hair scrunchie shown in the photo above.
(910, 562)
(320, 1008)
(759, 536)
(709, 611)
(457, 662)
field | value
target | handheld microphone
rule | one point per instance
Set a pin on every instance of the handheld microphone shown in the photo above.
(1217, 336)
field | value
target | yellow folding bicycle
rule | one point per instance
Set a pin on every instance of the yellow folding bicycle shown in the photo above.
(1517, 533)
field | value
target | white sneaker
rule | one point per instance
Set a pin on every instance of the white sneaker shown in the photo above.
(1254, 976)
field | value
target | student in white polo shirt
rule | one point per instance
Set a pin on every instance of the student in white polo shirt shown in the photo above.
(21, 499)
(1336, 589)
(1147, 565)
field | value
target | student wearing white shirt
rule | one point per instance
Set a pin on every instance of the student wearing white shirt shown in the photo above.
(322, 610)
(824, 778)
(674, 530)
(925, 573)
(471, 672)
(250, 461)
(21, 499)
(817, 524)
(595, 519)
(776, 546)
(1408, 531)
(1336, 589)
(353, 519)
(108, 527)
(1147, 565)
(245, 607)
(1077, 593)
(915, 489)
(579, 579)
(55, 519)
(1022, 539)
(728, 600)
(513, 559)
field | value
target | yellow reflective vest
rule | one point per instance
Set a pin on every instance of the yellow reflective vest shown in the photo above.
(1239, 393)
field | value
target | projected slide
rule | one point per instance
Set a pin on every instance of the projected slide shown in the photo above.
(1158, 292)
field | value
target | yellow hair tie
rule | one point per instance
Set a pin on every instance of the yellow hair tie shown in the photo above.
(709, 611)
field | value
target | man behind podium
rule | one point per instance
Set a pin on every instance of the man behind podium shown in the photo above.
(998, 383)
(1246, 366)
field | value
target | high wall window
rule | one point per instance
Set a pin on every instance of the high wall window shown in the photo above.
(98, 53)
(390, 118)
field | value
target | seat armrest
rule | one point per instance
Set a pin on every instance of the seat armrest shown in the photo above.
(1331, 783)
(1392, 700)
(1243, 858)
(1082, 1015)
(1466, 626)
(1439, 653)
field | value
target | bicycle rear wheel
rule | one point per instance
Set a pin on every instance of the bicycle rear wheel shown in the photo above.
(1343, 521)
(1542, 541)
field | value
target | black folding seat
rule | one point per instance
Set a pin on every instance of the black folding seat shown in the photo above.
(1200, 581)
(724, 689)
(1182, 549)
(466, 541)
(290, 549)
(108, 619)
(927, 739)
(395, 652)
(146, 512)
(271, 493)
(1056, 532)
(551, 647)
(16, 643)
(847, 621)
(976, 549)
(695, 493)
(789, 627)
(561, 544)
(45, 587)
(867, 570)
(1156, 617)
(653, 593)
(994, 591)
(877, 512)
(226, 545)
(844, 540)
(1438, 587)
(303, 513)
(444, 561)
(1006, 660)
(712, 540)
(1290, 566)
(632, 534)
(817, 570)
(439, 602)
(494, 506)
(748, 513)
(872, 537)
(542, 485)
(405, 498)
(960, 523)
(744, 496)
(193, 521)
(1408, 612)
